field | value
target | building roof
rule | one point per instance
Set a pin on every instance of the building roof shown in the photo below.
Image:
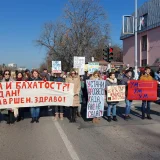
(150, 8)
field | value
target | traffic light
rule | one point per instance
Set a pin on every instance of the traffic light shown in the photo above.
(106, 54)
(110, 57)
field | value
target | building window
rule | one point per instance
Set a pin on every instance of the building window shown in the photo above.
(143, 22)
(144, 62)
(144, 43)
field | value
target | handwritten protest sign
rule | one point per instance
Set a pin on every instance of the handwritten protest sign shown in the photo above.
(79, 62)
(96, 92)
(35, 93)
(115, 93)
(56, 67)
(92, 67)
(142, 90)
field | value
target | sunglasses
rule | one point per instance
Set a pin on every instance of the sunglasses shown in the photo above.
(7, 74)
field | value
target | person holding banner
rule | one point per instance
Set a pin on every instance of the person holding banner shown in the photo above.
(7, 78)
(19, 77)
(125, 81)
(58, 78)
(73, 78)
(111, 81)
(146, 77)
(96, 76)
(35, 110)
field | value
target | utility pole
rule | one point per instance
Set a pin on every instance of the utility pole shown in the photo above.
(135, 51)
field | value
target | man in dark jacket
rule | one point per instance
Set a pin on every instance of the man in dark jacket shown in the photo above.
(125, 81)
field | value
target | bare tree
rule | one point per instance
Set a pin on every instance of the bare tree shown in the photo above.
(118, 53)
(84, 33)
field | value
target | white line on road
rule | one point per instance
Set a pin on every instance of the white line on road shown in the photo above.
(66, 141)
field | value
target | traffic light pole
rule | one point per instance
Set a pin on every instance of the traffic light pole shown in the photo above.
(135, 51)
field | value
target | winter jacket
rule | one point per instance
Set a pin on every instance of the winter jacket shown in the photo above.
(157, 77)
(77, 87)
(15, 110)
(59, 79)
(125, 81)
(146, 78)
(81, 92)
(110, 82)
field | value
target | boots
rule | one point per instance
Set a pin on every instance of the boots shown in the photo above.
(97, 120)
(71, 114)
(61, 116)
(143, 115)
(32, 121)
(37, 120)
(115, 118)
(56, 116)
(78, 114)
(74, 114)
(94, 120)
(109, 119)
(149, 117)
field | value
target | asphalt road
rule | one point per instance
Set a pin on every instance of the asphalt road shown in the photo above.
(134, 139)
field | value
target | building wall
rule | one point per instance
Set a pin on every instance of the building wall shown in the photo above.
(128, 51)
(153, 48)
(153, 45)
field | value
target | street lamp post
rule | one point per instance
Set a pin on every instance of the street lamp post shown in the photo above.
(135, 51)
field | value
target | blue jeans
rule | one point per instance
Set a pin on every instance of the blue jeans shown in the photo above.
(144, 103)
(128, 107)
(113, 106)
(35, 112)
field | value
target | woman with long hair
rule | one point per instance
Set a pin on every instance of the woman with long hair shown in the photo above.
(19, 77)
(7, 78)
(73, 78)
(35, 110)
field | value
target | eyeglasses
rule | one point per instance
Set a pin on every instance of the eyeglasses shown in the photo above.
(7, 74)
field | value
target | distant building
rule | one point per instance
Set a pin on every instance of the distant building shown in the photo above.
(22, 68)
(12, 65)
(148, 36)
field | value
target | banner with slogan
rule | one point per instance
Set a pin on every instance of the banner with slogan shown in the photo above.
(79, 62)
(116, 93)
(35, 93)
(92, 67)
(56, 67)
(96, 93)
(142, 90)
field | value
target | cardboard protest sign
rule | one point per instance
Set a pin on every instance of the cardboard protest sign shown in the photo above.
(35, 93)
(92, 67)
(115, 93)
(79, 62)
(96, 93)
(56, 67)
(142, 90)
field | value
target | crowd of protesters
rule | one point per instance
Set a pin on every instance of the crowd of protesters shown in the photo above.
(113, 78)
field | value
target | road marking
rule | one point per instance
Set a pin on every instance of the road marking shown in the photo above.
(66, 141)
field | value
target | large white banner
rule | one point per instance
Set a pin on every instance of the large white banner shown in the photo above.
(35, 93)
(56, 67)
(79, 62)
(96, 93)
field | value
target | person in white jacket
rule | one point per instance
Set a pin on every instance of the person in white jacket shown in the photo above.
(7, 78)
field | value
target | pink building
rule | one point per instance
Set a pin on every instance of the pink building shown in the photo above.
(148, 36)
